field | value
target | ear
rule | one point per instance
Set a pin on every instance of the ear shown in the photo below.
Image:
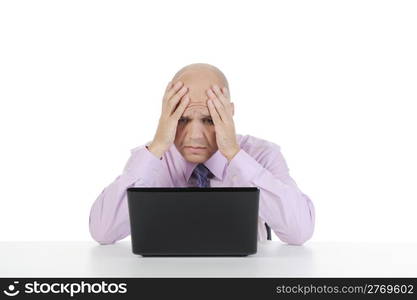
(233, 108)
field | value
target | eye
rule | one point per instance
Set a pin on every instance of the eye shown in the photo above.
(182, 120)
(209, 121)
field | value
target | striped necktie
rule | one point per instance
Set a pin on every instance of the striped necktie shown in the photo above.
(201, 175)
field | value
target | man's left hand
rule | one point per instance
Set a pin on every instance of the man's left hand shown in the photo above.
(221, 112)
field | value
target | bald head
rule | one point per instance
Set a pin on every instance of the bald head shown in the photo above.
(202, 69)
(198, 78)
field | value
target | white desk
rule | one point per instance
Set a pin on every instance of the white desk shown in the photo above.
(274, 259)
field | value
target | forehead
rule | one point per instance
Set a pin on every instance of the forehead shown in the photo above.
(198, 81)
(195, 110)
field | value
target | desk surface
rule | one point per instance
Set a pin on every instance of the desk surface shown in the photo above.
(274, 259)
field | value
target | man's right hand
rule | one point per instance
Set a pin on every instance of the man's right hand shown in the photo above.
(175, 101)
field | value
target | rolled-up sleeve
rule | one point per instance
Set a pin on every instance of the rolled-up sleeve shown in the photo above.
(289, 212)
(109, 218)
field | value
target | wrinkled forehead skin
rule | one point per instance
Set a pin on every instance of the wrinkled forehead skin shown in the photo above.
(198, 80)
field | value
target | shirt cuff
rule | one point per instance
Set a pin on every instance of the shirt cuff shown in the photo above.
(143, 165)
(242, 169)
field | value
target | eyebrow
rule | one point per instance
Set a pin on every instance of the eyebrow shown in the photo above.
(202, 117)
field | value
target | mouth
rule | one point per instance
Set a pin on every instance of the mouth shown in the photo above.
(194, 149)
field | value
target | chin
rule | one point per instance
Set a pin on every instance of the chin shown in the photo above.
(195, 158)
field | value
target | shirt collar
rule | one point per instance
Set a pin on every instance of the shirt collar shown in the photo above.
(216, 164)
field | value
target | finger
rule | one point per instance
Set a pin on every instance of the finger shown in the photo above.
(219, 94)
(213, 97)
(213, 112)
(211, 94)
(181, 107)
(164, 99)
(224, 109)
(168, 86)
(220, 109)
(173, 90)
(172, 103)
(223, 100)
(226, 93)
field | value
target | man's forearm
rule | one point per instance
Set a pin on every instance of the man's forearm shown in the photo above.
(109, 213)
(289, 212)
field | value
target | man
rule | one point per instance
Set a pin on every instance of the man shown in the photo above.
(196, 145)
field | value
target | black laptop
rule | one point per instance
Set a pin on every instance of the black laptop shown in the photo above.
(194, 221)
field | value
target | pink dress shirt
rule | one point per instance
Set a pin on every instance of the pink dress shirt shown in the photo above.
(289, 213)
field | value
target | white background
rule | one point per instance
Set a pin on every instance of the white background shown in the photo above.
(334, 83)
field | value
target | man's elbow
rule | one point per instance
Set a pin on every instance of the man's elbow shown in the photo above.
(102, 240)
(303, 231)
(298, 240)
(299, 236)
(99, 235)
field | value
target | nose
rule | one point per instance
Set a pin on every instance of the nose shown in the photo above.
(195, 130)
